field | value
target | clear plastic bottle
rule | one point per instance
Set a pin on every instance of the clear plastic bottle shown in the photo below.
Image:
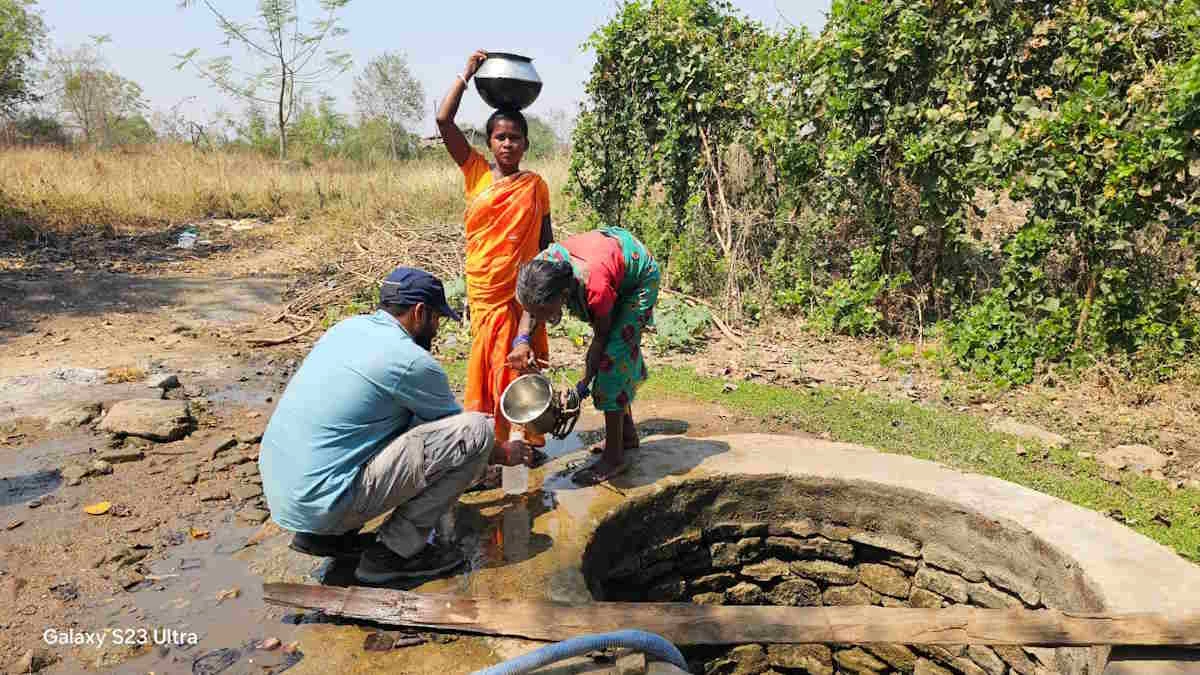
(514, 480)
(187, 238)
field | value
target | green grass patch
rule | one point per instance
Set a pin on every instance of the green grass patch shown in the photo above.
(955, 439)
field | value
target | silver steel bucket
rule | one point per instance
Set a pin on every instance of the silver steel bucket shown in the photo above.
(532, 402)
(508, 81)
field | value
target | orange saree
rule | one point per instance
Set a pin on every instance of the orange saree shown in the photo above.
(503, 227)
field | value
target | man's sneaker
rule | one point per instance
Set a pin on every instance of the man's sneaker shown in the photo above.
(379, 564)
(348, 545)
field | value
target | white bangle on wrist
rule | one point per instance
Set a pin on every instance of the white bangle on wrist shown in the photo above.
(464, 80)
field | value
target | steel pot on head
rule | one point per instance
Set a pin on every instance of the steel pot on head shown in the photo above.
(531, 401)
(508, 81)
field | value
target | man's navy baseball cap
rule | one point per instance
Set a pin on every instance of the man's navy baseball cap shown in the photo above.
(407, 286)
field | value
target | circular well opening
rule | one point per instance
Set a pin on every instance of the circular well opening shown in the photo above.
(784, 540)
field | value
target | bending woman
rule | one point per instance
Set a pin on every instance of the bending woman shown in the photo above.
(607, 278)
(507, 223)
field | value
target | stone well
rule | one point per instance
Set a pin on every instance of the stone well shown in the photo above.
(807, 541)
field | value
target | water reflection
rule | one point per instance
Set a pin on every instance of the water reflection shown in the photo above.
(508, 537)
(492, 533)
(23, 488)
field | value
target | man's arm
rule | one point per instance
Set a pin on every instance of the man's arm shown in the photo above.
(427, 393)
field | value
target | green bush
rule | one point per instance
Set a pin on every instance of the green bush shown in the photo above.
(843, 170)
(679, 327)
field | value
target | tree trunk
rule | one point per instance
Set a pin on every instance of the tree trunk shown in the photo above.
(1083, 315)
(283, 84)
(392, 140)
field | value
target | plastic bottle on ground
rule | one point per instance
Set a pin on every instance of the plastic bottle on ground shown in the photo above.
(514, 480)
(187, 238)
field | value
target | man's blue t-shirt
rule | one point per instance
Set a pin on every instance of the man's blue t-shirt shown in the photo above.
(364, 383)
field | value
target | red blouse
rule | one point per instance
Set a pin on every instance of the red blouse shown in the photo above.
(605, 268)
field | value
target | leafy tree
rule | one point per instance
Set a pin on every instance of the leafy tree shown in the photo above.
(22, 34)
(319, 129)
(543, 139)
(672, 83)
(133, 130)
(289, 59)
(94, 99)
(845, 169)
(386, 89)
(35, 129)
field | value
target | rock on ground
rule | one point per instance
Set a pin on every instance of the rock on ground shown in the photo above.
(812, 658)
(850, 596)
(923, 599)
(745, 593)
(153, 419)
(122, 455)
(254, 516)
(72, 416)
(828, 572)
(944, 584)
(163, 381)
(749, 659)
(10, 587)
(1008, 425)
(927, 667)
(245, 492)
(884, 579)
(795, 593)
(74, 474)
(1140, 458)
(34, 660)
(897, 656)
(858, 661)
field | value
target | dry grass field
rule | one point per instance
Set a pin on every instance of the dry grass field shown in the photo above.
(47, 190)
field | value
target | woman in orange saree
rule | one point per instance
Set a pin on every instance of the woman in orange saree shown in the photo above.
(507, 222)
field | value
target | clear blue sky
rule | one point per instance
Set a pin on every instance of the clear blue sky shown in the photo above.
(437, 37)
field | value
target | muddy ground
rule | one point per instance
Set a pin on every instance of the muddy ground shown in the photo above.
(89, 322)
(183, 545)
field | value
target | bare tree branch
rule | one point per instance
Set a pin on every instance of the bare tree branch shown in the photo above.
(289, 52)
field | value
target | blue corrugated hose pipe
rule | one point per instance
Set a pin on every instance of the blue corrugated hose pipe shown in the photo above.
(648, 643)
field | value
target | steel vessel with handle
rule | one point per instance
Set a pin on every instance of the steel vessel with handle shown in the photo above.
(508, 81)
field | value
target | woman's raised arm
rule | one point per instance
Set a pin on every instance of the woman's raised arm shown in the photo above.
(452, 136)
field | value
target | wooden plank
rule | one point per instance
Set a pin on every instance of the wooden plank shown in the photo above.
(690, 624)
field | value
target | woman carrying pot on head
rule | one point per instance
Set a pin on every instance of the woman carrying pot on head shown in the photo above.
(607, 278)
(507, 222)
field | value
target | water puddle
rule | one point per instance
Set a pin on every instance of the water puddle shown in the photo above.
(201, 611)
(242, 395)
(22, 489)
(557, 447)
(30, 472)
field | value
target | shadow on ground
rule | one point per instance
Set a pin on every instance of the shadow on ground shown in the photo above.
(648, 464)
(91, 294)
(90, 272)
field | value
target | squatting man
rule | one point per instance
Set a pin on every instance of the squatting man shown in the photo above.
(367, 425)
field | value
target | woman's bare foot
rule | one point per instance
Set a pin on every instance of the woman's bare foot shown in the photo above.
(599, 472)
